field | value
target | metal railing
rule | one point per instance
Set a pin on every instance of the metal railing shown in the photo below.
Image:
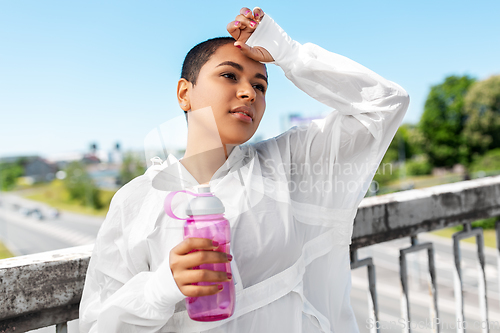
(406, 214)
(45, 289)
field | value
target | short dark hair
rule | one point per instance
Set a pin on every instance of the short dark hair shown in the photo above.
(199, 55)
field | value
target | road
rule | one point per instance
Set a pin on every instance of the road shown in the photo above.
(25, 235)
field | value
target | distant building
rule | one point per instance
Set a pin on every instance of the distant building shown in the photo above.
(104, 166)
(115, 156)
(40, 170)
(90, 159)
(63, 159)
(104, 176)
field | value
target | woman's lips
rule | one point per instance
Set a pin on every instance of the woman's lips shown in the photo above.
(242, 117)
(246, 113)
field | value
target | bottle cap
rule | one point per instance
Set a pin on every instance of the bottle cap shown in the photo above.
(205, 188)
(206, 204)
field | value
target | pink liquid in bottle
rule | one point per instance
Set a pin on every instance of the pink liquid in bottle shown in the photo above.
(206, 220)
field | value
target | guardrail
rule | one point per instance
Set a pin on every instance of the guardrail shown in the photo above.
(42, 289)
(45, 289)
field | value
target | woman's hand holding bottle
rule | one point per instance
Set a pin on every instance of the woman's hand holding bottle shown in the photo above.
(183, 259)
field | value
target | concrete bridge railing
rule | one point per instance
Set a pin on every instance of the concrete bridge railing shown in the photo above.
(45, 289)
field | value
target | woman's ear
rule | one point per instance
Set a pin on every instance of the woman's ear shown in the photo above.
(183, 94)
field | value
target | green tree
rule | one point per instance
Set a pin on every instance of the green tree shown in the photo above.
(9, 172)
(81, 187)
(443, 120)
(482, 107)
(131, 167)
(402, 146)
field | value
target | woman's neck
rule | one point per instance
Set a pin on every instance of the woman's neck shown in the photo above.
(205, 152)
(202, 164)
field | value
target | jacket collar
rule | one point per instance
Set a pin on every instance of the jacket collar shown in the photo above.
(171, 175)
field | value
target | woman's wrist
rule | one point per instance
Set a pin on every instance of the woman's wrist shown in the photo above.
(161, 289)
(275, 40)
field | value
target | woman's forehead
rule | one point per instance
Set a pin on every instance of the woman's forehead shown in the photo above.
(230, 55)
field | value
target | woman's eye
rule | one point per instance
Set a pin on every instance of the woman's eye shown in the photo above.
(260, 87)
(229, 75)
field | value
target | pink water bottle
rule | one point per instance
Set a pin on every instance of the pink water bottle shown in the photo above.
(206, 220)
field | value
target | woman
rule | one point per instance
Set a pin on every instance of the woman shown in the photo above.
(291, 200)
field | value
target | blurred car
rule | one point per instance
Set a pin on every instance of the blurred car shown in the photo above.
(53, 213)
(37, 214)
(25, 211)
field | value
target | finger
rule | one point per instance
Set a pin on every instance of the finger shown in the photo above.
(202, 275)
(198, 291)
(198, 258)
(246, 12)
(258, 13)
(190, 244)
(234, 29)
(251, 52)
(256, 53)
(246, 22)
(242, 27)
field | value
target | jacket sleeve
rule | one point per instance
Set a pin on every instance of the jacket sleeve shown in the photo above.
(116, 296)
(330, 162)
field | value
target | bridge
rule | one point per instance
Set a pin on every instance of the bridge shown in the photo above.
(44, 289)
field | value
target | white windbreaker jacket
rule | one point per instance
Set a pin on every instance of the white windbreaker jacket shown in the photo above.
(290, 200)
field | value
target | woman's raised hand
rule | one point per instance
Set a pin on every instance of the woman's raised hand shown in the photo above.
(182, 261)
(242, 28)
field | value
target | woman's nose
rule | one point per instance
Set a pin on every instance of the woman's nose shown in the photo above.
(246, 91)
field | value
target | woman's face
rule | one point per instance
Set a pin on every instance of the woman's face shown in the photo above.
(227, 81)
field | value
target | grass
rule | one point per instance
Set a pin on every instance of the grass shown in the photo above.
(420, 182)
(489, 236)
(55, 195)
(423, 181)
(4, 252)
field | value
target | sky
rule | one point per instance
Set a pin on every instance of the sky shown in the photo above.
(77, 72)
